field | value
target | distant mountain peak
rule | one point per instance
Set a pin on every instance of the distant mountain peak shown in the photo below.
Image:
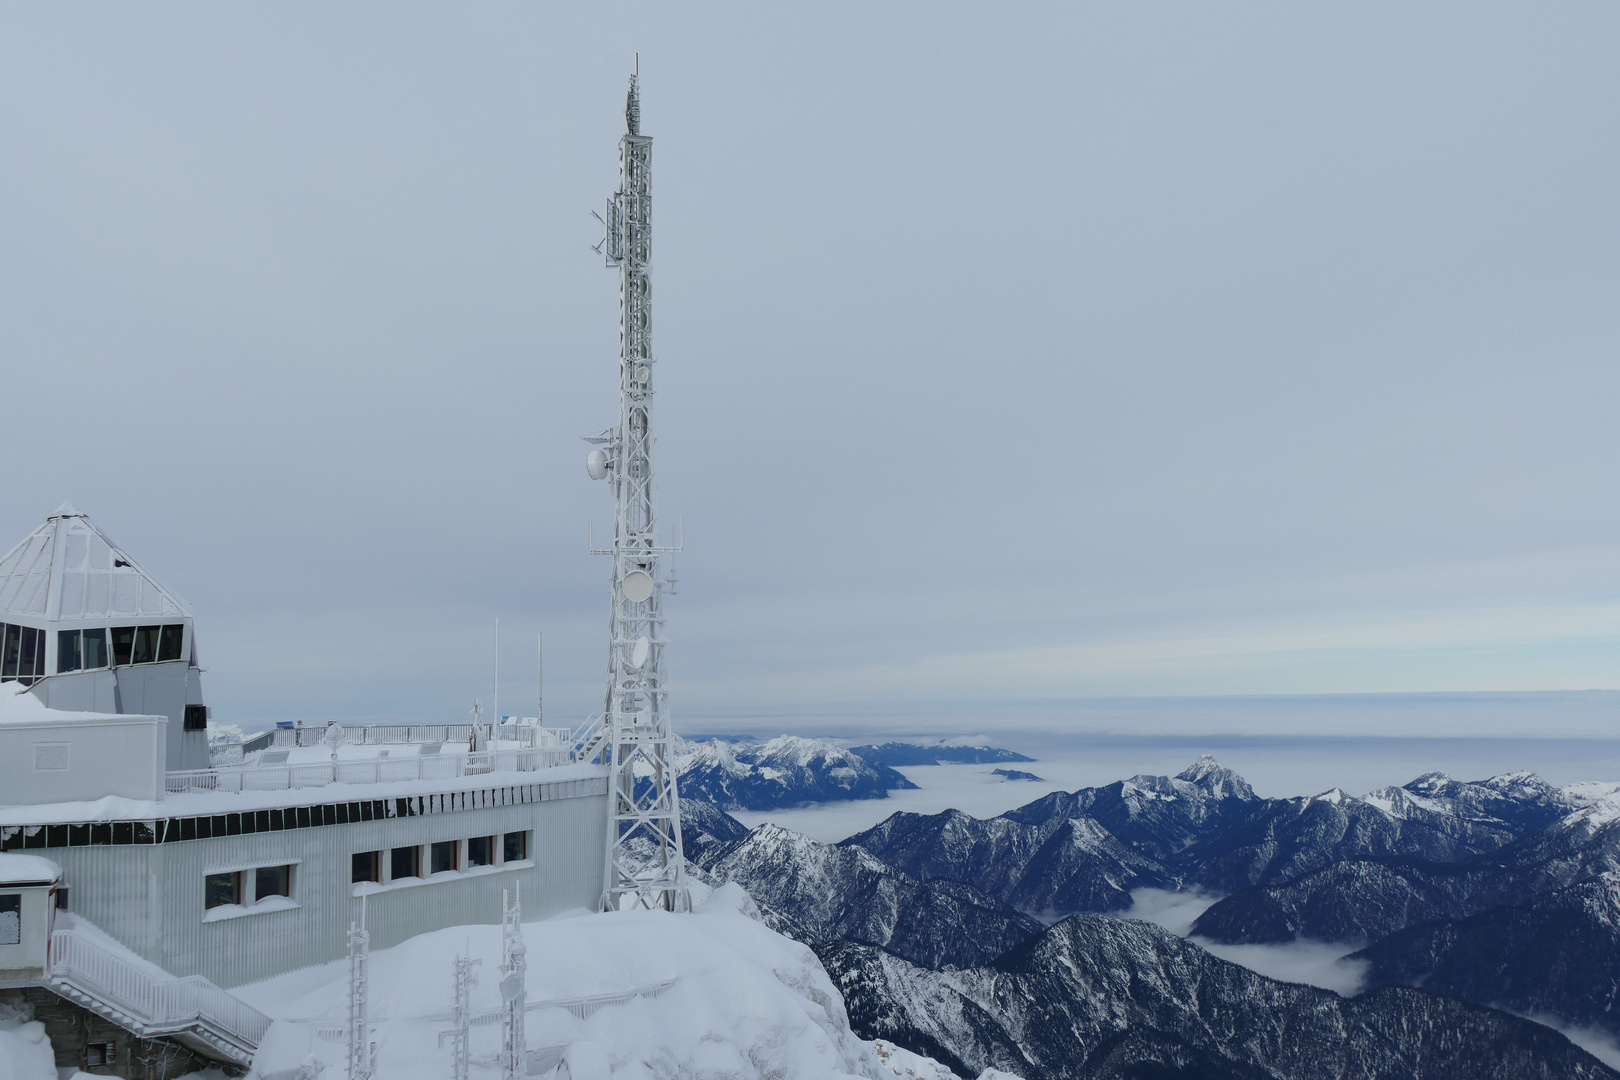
(1216, 779)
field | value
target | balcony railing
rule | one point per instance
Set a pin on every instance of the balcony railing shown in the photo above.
(370, 771)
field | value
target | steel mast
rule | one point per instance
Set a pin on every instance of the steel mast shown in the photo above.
(644, 866)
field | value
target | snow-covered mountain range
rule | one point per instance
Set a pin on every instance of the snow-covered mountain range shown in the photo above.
(785, 771)
(1504, 891)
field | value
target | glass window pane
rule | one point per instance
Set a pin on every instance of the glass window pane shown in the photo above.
(169, 643)
(11, 919)
(67, 650)
(272, 881)
(402, 862)
(223, 889)
(363, 866)
(25, 660)
(93, 649)
(10, 647)
(444, 856)
(517, 846)
(480, 850)
(146, 643)
(123, 644)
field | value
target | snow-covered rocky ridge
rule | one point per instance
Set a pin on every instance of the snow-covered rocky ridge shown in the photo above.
(785, 771)
(1520, 875)
(714, 994)
(1204, 828)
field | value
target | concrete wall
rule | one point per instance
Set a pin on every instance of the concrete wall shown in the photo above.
(151, 897)
(82, 759)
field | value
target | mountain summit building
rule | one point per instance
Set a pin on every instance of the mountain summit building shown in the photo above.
(139, 880)
(88, 630)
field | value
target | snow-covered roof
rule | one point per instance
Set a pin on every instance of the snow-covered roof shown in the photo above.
(27, 870)
(69, 569)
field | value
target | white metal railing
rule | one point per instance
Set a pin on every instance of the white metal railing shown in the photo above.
(402, 734)
(156, 1005)
(372, 771)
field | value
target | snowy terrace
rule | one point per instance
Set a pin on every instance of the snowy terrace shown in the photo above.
(310, 757)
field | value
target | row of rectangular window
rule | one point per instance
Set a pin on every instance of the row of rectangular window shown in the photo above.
(22, 649)
(229, 887)
(86, 650)
(406, 862)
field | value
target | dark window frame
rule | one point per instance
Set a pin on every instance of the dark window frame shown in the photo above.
(477, 857)
(171, 642)
(10, 650)
(412, 859)
(67, 651)
(518, 841)
(97, 634)
(444, 856)
(230, 881)
(146, 644)
(195, 718)
(365, 866)
(123, 645)
(272, 881)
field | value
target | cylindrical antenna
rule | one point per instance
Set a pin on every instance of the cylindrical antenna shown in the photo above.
(496, 704)
(540, 680)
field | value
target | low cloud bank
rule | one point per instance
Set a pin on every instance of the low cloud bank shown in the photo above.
(1315, 963)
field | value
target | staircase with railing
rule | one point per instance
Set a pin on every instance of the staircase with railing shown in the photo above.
(589, 738)
(191, 1010)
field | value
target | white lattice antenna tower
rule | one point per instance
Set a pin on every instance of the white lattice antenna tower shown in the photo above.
(514, 986)
(359, 1014)
(461, 1019)
(644, 866)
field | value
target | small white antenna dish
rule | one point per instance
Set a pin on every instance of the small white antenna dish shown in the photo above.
(638, 653)
(637, 586)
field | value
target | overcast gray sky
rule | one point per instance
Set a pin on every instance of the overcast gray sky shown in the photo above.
(1008, 352)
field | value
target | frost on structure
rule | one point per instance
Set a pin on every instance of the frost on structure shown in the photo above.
(643, 807)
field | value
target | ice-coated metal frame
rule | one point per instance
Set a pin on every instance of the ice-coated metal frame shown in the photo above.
(644, 864)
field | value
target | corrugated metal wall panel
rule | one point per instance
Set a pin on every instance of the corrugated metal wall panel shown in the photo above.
(151, 897)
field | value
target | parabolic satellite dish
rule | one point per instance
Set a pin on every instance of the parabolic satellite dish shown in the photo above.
(638, 652)
(637, 586)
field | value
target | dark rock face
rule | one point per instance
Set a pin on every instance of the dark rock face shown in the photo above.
(893, 754)
(781, 772)
(705, 826)
(1098, 997)
(820, 893)
(1558, 955)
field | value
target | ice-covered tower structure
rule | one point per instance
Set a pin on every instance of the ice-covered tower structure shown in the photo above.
(88, 630)
(644, 860)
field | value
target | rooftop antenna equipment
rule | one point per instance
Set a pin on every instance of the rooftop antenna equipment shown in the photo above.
(644, 866)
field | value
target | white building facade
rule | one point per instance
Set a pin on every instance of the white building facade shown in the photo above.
(208, 877)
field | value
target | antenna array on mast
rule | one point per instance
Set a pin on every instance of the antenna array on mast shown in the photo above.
(644, 866)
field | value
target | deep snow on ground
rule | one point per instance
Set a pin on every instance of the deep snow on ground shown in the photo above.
(722, 996)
